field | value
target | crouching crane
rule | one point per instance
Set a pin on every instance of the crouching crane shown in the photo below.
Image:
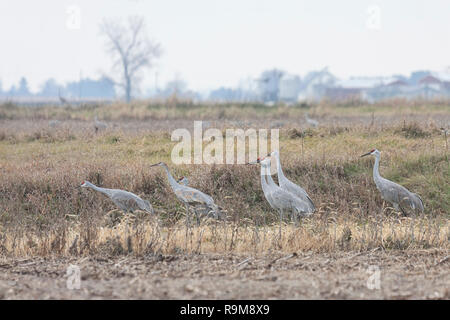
(400, 197)
(188, 195)
(312, 122)
(99, 125)
(125, 200)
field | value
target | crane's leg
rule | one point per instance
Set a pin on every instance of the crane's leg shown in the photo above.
(279, 229)
(188, 215)
(197, 217)
(187, 222)
(127, 231)
(296, 218)
(404, 212)
(215, 211)
(396, 207)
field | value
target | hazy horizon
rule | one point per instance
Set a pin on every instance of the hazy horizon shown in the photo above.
(211, 44)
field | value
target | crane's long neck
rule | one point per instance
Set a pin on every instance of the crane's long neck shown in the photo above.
(376, 166)
(279, 170)
(264, 185)
(172, 181)
(102, 190)
(270, 181)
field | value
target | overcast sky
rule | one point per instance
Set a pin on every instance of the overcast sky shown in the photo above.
(213, 43)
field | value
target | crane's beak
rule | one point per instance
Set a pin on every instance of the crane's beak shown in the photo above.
(154, 165)
(257, 161)
(366, 154)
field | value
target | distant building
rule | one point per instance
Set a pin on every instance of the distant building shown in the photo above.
(429, 87)
(232, 94)
(289, 88)
(268, 85)
(315, 84)
(340, 94)
(432, 87)
(430, 82)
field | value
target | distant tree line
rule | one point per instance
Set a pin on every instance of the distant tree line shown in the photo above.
(85, 88)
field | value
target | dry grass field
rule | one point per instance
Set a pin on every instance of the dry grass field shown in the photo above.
(48, 222)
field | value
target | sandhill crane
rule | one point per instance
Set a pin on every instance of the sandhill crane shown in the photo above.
(312, 122)
(62, 99)
(53, 123)
(189, 196)
(289, 186)
(278, 198)
(445, 132)
(398, 196)
(125, 200)
(99, 125)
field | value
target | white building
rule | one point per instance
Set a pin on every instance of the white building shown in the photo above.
(315, 84)
(289, 87)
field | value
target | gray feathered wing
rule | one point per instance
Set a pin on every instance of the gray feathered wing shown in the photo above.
(297, 191)
(288, 201)
(130, 202)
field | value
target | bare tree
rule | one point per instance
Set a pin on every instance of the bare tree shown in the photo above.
(130, 49)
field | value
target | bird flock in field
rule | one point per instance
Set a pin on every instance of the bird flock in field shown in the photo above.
(286, 197)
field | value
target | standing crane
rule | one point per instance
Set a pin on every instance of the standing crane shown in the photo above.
(125, 200)
(312, 122)
(99, 125)
(279, 199)
(62, 99)
(397, 195)
(189, 196)
(53, 123)
(289, 186)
